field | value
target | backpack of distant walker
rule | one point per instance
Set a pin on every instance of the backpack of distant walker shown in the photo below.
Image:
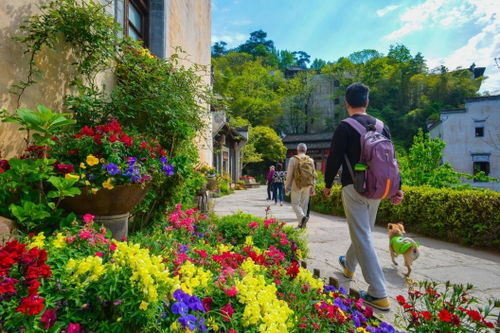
(279, 177)
(376, 176)
(304, 174)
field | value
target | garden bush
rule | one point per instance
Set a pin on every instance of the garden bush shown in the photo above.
(183, 275)
(468, 217)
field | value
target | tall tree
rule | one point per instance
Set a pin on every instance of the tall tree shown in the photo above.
(301, 58)
(219, 49)
(318, 64)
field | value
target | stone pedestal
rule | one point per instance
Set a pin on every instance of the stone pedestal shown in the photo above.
(7, 228)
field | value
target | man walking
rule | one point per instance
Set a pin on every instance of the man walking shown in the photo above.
(361, 208)
(300, 180)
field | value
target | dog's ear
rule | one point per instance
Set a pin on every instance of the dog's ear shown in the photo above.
(389, 226)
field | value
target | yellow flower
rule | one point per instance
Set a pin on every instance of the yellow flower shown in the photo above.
(37, 241)
(59, 242)
(249, 240)
(144, 305)
(362, 330)
(82, 176)
(87, 183)
(93, 190)
(92, 160)
(119, 319)
(71, 176)
(107, 184)
(82, 165)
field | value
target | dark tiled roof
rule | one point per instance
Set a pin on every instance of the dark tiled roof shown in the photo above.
(481, 98)
(297, 138)
(313, 145)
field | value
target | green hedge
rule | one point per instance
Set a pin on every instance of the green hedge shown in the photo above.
(468, 217)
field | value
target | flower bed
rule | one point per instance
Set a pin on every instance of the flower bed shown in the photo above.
(189, 274)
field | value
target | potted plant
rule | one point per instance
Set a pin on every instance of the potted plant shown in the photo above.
(114, 170)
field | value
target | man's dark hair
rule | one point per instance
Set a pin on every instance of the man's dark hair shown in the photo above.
(356, 95)
(279, 166)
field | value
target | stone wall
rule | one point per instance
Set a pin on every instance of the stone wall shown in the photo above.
(187, 24)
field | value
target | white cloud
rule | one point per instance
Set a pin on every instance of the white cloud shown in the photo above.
(242, 22)
(388, 9)
(481, 49)
(232, 39)
(440, 13)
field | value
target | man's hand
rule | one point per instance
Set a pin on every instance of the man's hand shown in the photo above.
(312, 191)
(327, 191)
(397, 198)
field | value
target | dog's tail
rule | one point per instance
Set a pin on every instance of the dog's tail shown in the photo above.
(414, 249)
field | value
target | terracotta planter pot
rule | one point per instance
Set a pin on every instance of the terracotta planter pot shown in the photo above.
(119, 200)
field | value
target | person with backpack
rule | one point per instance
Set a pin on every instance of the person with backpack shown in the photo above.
(278, 181)
(301, 181)
(362, 145)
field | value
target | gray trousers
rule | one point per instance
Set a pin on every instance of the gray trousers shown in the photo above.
(361, 213)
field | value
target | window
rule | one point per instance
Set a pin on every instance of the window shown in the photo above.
(482, 166)
(136, 20)
(479, 128)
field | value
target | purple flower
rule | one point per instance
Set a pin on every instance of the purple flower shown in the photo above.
(168, 169)
(195, 304)
(183, 248)
(188, 321)
(179, 308)
(328, 288)
(163, 160)
(131, 160)
(180, 295)
(111, 168)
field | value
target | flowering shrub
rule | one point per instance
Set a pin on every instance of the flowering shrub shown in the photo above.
(182, 276)
(442, 308)
(105, 156)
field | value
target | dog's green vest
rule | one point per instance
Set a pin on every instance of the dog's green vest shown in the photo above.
(400, 245)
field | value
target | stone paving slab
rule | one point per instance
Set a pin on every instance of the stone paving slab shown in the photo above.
(328, 238)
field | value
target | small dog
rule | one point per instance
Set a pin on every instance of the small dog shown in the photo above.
(402, 245)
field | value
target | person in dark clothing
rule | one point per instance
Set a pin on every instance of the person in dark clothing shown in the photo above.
(360, 211)
(279, 183)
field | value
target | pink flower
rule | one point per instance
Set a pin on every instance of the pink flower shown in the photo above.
(73, 328)
(253, 225)
(112, 246)
(85, 234)
(87, 218)
(99, 254)
(231, 292)
(70, 239)
(207, 303)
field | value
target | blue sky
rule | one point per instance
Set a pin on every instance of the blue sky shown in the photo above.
(450, 32)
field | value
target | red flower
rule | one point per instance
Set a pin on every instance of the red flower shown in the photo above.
(4, 165)
(426, 315)
(7, 286)
(99, 254)
(73, 152)
(445, 316)
(112, 138)
(475, 315)
(401, 300)
(293, 270)
(227, 312)
(207, 303)
(112, 246)
(64, 168)
(31, 305)
(97, 139)
(126, 139)
(49, 318)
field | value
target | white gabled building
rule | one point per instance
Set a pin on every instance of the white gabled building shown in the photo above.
(472, 137)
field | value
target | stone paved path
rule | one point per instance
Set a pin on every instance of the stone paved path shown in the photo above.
(328, 238)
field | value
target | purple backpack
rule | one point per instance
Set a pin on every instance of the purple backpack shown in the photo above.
(381, 178)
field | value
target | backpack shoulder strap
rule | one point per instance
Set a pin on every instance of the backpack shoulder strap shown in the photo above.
(356, 125)
(379, 126)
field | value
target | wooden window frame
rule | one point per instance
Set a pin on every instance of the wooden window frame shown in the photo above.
(142, 7)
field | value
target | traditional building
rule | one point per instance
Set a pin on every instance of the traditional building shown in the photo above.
(162, 25)
(318, 147)
(472, 137)
(227, 143)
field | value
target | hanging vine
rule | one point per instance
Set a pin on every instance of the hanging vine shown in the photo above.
(92, 34)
